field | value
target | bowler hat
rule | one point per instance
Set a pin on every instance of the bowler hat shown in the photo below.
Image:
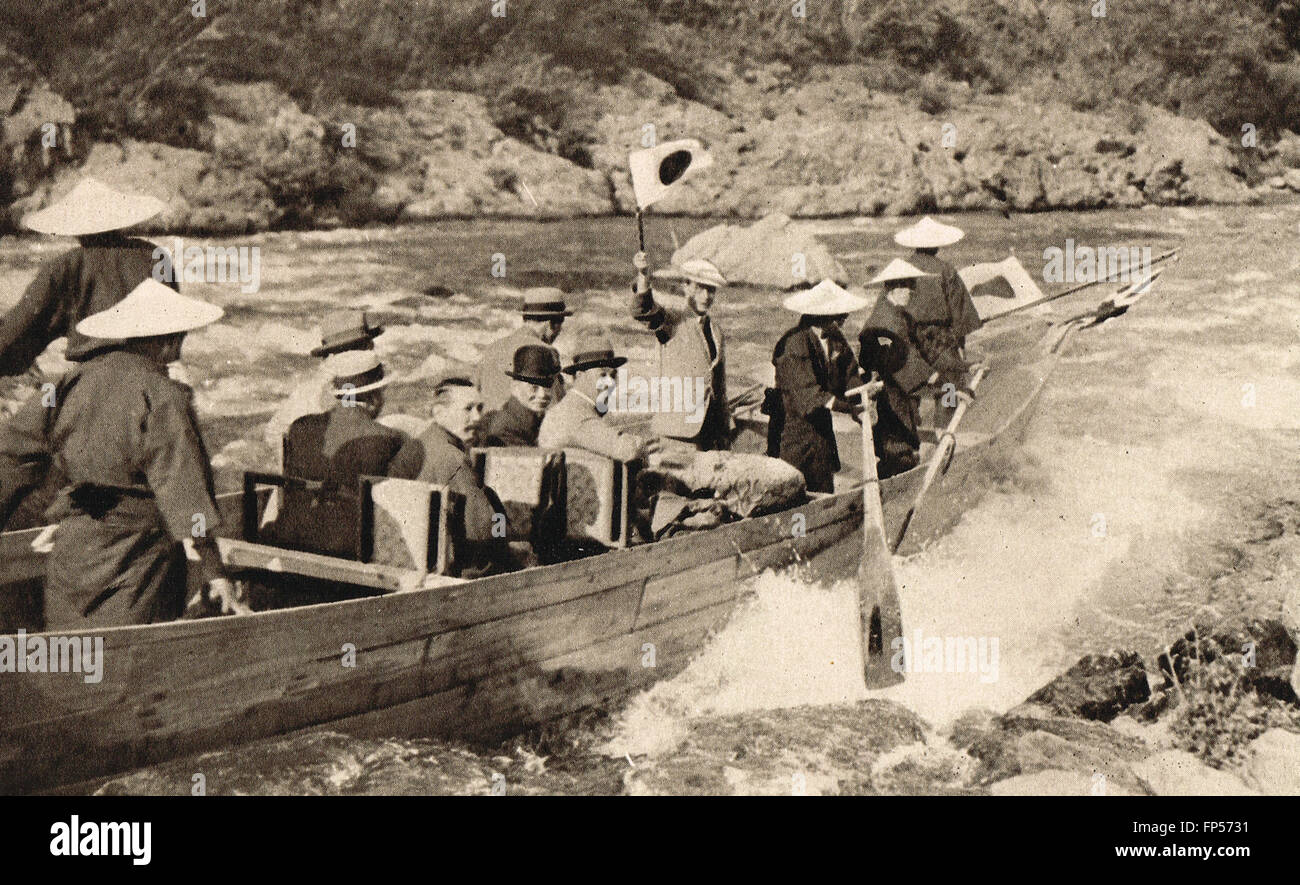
(342, 330)
(535, 364)
(599, 355)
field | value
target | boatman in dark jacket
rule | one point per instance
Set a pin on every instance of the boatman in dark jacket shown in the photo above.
(104, 267)
(888, 348)
(940, 304)
(440, 455)
(336, 448)
(814, 367)
(691, 346)
(138, 479)
(532, 380)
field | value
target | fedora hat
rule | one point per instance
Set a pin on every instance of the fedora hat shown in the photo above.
(535, 364)
(341, 330)
(355, 371)
(898, 269)
(696, 270)
(599, 355)
(928, 234)
(827, 298)
(150, 309)
(93, 207)
(544, 303)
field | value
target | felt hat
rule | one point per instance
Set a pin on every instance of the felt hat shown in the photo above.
(535, 364)
(898, 269)
(696, 270)
(454, 374)
(544, 303)
(93, 207)
(928, 234)
(341, 330)
(827, 298)
(149, 309)
(599, 354)
(355, 371)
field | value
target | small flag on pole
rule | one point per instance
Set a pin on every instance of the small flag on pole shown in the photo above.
(655, 171)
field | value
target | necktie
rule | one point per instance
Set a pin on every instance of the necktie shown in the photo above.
(708, 338)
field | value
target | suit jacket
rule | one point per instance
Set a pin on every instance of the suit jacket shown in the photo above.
(683, 352)
(438, 457)
(575, 421)
(802, 434)
(498, 358)
(512, 425)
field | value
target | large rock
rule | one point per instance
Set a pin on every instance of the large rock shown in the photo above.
(1097, 687)
(772, 252)
(1014, 745)
(1273, 767)
(1179, 773)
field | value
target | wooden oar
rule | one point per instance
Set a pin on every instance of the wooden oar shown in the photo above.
(1079, 288)
(879, 609)
(947, 441)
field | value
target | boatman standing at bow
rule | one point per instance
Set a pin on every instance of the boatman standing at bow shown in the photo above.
(138, 479)
(104, 267)
(532, 383)
(544, 311)
(940, 303)
(814, 367)
(691, 346)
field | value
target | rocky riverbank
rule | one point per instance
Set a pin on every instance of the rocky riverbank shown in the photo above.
(831, 146)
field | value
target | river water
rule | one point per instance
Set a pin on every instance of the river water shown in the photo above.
(1160, 478)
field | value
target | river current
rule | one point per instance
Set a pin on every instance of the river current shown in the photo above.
(1155, 483)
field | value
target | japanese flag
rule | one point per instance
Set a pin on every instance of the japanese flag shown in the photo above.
(656, 170)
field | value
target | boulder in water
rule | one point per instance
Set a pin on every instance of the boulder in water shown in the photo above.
(772, 253)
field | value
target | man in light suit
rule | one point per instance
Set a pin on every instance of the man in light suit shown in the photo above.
(691, 346)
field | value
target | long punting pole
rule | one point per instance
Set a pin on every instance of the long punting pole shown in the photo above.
(1079, 288)
(937, 460)
(879, 609)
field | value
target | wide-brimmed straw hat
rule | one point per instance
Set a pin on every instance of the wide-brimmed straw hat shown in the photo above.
(536, 364)
(93, 207)
(544, 303)
(898, 269)
(150, 309)
(356, 371)
(827, 298)
(342, 330)
(928, 234)
(598, 355)
(696, 270)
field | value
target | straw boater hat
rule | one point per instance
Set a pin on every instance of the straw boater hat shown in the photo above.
(356, 371)
(344, 329)
(150, 309)
(928, 234)
(827, 298)
(93, 207)
(696, 270)
(898, 269)
(599, 355)
(535, 364)
(545, 303)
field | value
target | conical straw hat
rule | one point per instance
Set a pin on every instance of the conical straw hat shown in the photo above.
(928, 234)
(151, 309)
(827, 298)
(898, 269)
(93, 207)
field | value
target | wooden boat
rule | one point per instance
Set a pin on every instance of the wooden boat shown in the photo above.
(473, 660)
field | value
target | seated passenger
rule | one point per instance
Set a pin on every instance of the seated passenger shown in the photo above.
(440, 455)
(336, 448)
(577, 420)
(532, 382)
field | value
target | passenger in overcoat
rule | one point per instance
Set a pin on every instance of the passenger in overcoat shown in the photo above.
(532, 382)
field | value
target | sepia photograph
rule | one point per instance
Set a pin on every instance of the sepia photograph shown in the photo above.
(595, 398)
